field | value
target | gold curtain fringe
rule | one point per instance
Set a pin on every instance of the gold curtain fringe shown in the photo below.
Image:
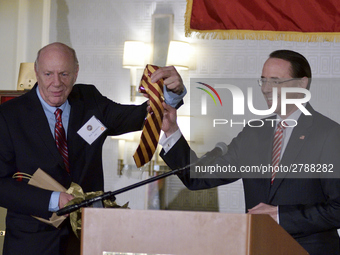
(255, 34)
(263, 35)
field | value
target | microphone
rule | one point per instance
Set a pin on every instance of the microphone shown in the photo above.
(86, 203)
(219, 150)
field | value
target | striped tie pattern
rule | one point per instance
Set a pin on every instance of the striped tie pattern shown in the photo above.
(153, 123)
(277, 146)
(60, 138)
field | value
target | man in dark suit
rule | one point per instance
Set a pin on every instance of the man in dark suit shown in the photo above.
(307, 207)
(28, 142)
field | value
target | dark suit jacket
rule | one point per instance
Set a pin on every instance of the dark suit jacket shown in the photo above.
(26, 144)
(309, 208)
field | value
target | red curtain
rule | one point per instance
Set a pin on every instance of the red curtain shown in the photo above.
(308, 18)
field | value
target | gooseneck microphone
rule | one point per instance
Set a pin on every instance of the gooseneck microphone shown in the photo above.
(219, 150)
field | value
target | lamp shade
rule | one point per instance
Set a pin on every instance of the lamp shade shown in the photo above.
(134, 54)
(178, 55)
(26, 79)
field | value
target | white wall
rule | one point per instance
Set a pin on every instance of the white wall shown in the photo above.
(23, 33)
(8, 38)
(98, 29)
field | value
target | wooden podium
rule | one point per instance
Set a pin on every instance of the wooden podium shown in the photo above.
(181, 232)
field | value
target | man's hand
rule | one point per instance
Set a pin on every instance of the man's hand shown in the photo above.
(169, 124)
(172, 80)
(64, 198)
(263, 208)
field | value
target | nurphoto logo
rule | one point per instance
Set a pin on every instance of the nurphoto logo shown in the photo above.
(238, 99)
(209, 93)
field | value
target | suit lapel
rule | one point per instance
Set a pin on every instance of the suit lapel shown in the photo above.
(265, 148)
(266, 144)
(76, 116)
(39, 126)
(297, 139)
(74, 141)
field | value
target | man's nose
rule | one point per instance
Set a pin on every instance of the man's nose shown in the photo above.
(266, 87)
(56, 80)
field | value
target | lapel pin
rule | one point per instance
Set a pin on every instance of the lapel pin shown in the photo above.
(302, 137)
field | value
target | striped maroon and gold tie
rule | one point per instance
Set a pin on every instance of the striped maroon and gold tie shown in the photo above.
(153, 123)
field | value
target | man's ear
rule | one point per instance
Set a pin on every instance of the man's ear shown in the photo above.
(303, 83)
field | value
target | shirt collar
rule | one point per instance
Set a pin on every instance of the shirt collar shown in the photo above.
(291, 120)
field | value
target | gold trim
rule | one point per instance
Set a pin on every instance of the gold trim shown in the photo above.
(187, 18)
(255, 34)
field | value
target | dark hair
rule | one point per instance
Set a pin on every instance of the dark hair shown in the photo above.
(299, 65)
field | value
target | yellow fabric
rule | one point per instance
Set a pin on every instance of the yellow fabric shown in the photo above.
(79, 196)
(42, 180)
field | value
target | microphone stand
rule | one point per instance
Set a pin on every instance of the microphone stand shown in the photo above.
(111, 194)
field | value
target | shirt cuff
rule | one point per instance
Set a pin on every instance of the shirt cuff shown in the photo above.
(54, 201)
(172, 98)
(168, 142)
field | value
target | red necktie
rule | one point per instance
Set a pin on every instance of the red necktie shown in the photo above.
(277, 147)
(60, 138)
(153, 123)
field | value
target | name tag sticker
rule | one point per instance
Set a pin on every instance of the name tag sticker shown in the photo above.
(91, 130)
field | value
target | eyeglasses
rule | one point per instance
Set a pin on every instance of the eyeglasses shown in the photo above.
(273, 82)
